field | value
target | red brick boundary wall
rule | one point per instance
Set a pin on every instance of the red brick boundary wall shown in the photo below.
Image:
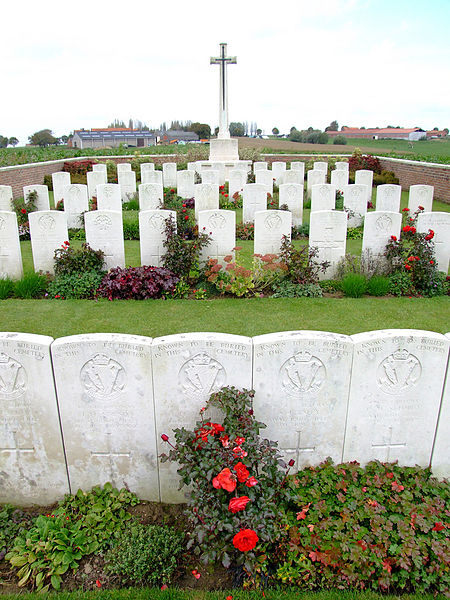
(409, 172)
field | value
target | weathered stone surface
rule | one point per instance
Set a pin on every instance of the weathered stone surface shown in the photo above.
(365, 177)
(254, 198)
(170, 175)
(109, 197)
(104, 231)
(355, 203)
(42, 201)
(206, 197)
(10, 253)
(314, 177)
(420, 195)
(291, 194)
(440, 462)
(339, 178)
(127, 182)
(123, 168)
(185, 184)
(265, 177)
(59, 181)
(220, 225)
(270, 228)
(32, 466)
(439, 222)
(378, 228)
(328, 233)
(151, 196)
(152, 176)
(76, 202)
(94, 178)
(323, 197)
(152, 225)
(6, 196)
(48, 232)
(388, 197)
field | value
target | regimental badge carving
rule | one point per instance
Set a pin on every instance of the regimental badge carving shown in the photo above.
(2, 223)
(383, 223)
(13, 378)
(102, 377)
(422, 191)
(217, 221)
(398, 372)
(323, 190)
(108, 191)
(156, 222)
(103, 222)
(47, 222)
(291, 192)
(389, 192)
(273, 222)
(302, 373)
(355, 192)
(201, 376)
(75, 191)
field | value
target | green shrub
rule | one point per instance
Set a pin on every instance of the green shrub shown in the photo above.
(32, 285)
(131, 230)
(288, 289)
(355, 233)
(378, 285)
(131, 205)
(385, 177)
(300, 264)
(382, 527)
(77, 234)
(48, 181)
(77, 285)
(401, 284)
(300, 231)
(182, 255)
(339, 139)
(70, 260)
(6, 288)
(145, 553)
(23, 206)
(330, 285)
(12, 522)
(354, 285)
(245, 231)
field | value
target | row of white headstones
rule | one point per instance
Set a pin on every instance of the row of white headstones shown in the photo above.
(328, 228)
(86, 409)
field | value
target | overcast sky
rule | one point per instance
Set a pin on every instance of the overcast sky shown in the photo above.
(68, 65)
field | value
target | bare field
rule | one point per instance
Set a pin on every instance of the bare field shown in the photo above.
(278, 145)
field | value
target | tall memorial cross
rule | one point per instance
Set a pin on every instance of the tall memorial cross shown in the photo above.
(223, 60)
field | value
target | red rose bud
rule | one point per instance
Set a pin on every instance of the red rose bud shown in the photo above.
(291, 463)
(164, 437)
(251, 481)
(97, 583)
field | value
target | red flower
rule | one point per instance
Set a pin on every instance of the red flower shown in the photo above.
(164, 586)
(389, 475)
(245, 540)
(196, 574)
(225, 480)
(430, 235)
(406, 210)
(237, 504)
(291, 463)
(23, 211)
(164, 437)
(408, 267)
(172, 191)
(97, 583)
(394, 238)
(421, 208)
(362, 543)
(186, 217)
(242, 472)
(397, 487)
(387, 566)
(251, 481)
(431, 262)
(438, 527)
(225, 441)
(239, 440)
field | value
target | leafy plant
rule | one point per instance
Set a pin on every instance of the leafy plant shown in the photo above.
(32, 285)
(76, 285)
(378, 285)
(354, 285)
(145, 553)
(245, 231)
(137, 283)
(182, 255)
(301, 266)
(235, 483)
(12, 522)
(355, 233)
(288, 289)
(6, 288)
(360, 161)
(382, 527)
(300, 231)
(69, 260)
(131, 230)
(23, 206)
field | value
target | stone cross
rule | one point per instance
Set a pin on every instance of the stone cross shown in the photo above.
(16, 447)
(299, 449)
(114, 473)
(389, 445)
(223, 60)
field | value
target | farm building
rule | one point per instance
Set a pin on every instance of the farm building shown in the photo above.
(394, 133)
(111, 138)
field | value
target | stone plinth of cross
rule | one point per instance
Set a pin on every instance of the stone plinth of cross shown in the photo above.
(223, 60)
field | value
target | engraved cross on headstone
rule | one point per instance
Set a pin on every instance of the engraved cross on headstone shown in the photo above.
(299, 449)
(389, 445)
(223, 60)
(16, 447)
(4, 251)
(114, 473)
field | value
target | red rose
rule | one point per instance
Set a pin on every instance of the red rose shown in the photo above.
(164, 437)
(186, 218)
(245, 540)
(225, 480)
(251, 481)
(406, 210)
(241, 471)
(237, 504)
(23, 211)
(438, 527)
(421, 208)
(408, 267)
(394, 238)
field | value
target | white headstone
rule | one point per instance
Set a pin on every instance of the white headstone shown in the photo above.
(94, 178)
(321, 166)
(152, 224)
(101, 168)
(185, 184)
(59, 180)
(206, 197)
(187, 369)
(440, 463)
(298, 166)
(365, 177)
(104, 383)
(170, 174)
(278, 170)
(220, 168)
(75, 204)
(6, 196)
(388, 197)
(390, 417)
(10, 254)
(265, 178)
(109, 197)
(291, 194)
(355, 202)
(220, 225)
(339, 178)
(378, 228)
(254, 197)
(342, 165)
(323, 197)
(152, 177)
(314, 178)
(439, 222)
(270, 228)
(260, 165)
(48, 232)
(104, 231)
(293, 176)
(210, 176)
(42, 201)
(147, 167)
(123, 167)
(301, 381)
(151, 196)
(420, 195)
(32, 465)
(127, 182)
(236, 182)
(192, 166)
(328, 232)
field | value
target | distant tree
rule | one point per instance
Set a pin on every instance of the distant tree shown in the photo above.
(276, 131)
(13, 141)
(237, 129)
(339, 139)
(3, 141)
(203, 130)
(333, 126)
(445, 130)
(163, 127)
(130, 124)
(293, 128)
(44, 137)
(216, 131)
(295, 135)
(310, 129)
(116, 123)
(434, 129)
(64, 139)
(258, 131)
